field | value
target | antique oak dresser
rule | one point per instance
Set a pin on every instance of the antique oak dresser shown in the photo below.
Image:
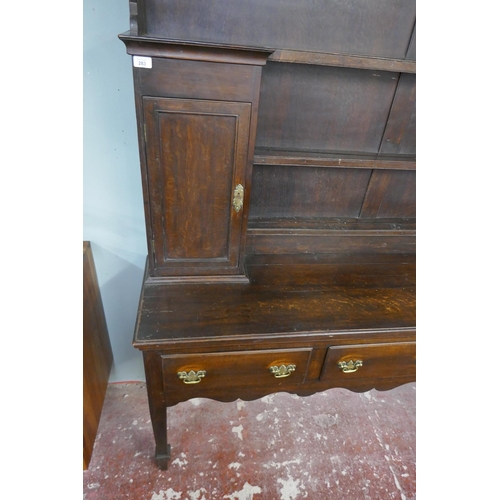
(277, 150)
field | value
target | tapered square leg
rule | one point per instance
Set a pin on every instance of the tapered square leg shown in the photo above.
(159, 422)
(157, 406)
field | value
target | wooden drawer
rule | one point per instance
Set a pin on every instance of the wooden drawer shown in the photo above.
(374, 361)
(224, 370)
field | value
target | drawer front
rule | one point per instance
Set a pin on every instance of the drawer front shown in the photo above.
(197, 373)
(374, 361)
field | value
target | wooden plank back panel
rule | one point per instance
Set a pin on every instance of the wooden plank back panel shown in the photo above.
(412, 47)
(268, 242)
(305, 107)
(283, 191)
(381, 28)
(319, 271)
(400, 132)
(391, 193)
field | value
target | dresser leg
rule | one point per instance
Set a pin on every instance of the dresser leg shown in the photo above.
(162, 452)
(157, 407)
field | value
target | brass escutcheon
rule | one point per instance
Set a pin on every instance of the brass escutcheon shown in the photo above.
(192, 377)
(238, 197)
(350, 366)
(282, 371)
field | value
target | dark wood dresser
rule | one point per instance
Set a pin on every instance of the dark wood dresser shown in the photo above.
(277, 147)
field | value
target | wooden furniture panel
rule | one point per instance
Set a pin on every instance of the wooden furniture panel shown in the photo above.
(380, 29)
(97, 354)
(333, 270)
(390, 194)
(304, 107)
(370, 361)
(283, 191)
(199, 79)
(283, 242)
(358, 236)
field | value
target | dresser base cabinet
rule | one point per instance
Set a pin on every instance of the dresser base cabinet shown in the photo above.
(246, 341)
(248, 375)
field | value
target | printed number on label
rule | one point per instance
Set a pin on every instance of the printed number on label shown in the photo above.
(142, 62)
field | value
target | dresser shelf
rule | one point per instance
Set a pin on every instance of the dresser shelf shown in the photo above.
(344, 61)
(334, 159)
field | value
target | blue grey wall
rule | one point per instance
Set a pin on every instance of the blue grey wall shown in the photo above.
(113, 217)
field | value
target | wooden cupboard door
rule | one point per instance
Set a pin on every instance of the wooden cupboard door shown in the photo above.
(197, 155)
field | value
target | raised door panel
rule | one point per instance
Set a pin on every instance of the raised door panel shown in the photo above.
(196, 156)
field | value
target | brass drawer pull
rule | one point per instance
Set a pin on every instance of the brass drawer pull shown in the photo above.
(238, 197)
(350, 366)
(282, 371)
(192, 377)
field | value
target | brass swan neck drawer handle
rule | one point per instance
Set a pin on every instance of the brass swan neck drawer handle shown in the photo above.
(238, 197)
(282, 371)
(350, 366)
(192, 377)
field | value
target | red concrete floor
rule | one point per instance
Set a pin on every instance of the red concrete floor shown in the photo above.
(332, 445)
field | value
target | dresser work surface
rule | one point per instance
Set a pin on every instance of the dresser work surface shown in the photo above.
(286, 296)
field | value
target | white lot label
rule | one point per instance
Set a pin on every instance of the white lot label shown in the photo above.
(142, 62)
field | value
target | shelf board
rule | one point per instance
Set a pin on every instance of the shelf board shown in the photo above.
(333, 160)
(344, 60)
(326, 225)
